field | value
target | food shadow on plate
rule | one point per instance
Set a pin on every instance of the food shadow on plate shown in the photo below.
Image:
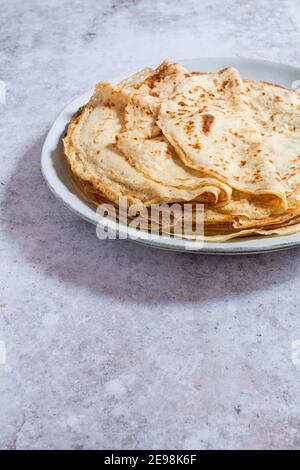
(65, 247)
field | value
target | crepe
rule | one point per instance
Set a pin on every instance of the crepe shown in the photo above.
(152, 154)
(90, 148)
(209, 124)
(143, 144)
(168, 136)
(131, 83)
(276, 112)
(223, 237)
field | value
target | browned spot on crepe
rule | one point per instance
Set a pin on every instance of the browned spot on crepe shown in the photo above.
(208, 120)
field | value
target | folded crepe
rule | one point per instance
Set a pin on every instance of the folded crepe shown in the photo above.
(276, 112)
(208, 122)
(91, 151)
(171, 136)
(143, 144)
(152, 154)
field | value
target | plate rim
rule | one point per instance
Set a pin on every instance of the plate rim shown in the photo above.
(61, 191)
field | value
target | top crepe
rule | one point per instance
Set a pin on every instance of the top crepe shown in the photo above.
(143, 144)
(209, 123)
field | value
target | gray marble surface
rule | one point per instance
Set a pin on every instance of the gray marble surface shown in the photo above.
(110, 344)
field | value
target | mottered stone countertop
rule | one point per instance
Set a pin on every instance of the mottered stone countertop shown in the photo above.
(112, 345)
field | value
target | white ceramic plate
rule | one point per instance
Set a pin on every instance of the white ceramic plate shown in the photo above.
(58, 178)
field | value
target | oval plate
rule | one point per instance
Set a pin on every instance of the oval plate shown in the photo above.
(56, 173)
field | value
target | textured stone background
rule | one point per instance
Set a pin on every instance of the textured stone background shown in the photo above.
(110, 344)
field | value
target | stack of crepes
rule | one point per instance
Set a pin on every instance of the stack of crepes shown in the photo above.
(173, 136)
